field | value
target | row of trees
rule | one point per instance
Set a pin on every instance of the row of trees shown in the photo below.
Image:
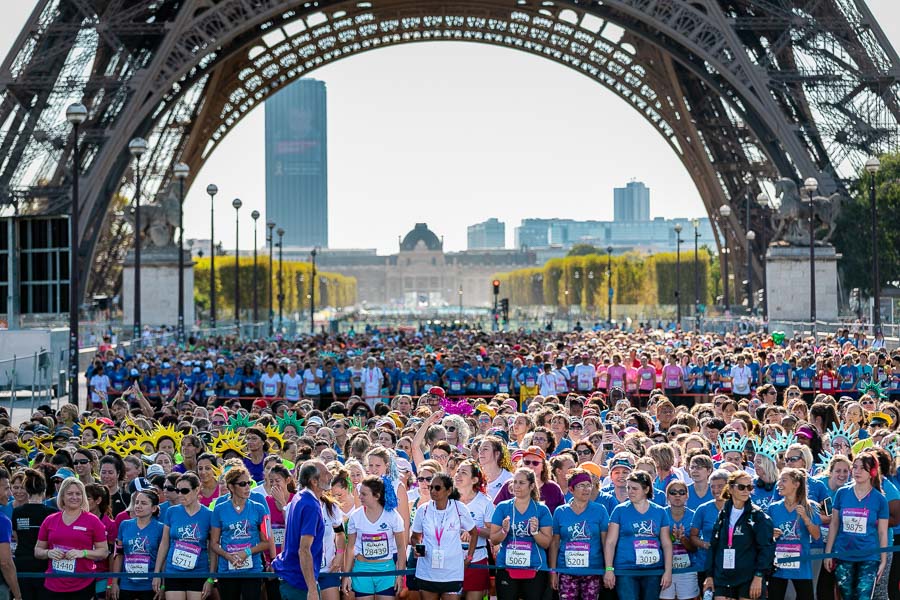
(583, 280)
(332, 289)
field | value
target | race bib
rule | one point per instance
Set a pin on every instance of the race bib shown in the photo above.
(671, 383)
(269, 389)
(278, 536)
(791, 551)
(209, 392)
(406, 389)
(343, 387)
(780, 379)
(529, 382)
(577, 555)
(805, 382)
(646, 375)
(646, 552)
(855, 520)
(617, 383)
(680, 558)
(165, 390)
(518, 554)
(375, 545)
(245, 564)
(185, 555)
(701, 381)
(455, 386)
(584, 381)
(137, 563)
(503, 388)
(64, 565)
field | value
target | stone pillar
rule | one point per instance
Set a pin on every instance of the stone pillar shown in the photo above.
(159, 288)
(787, 283)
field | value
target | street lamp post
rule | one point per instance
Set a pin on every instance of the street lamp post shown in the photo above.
(811, 185)
(312, 296)
(280, 278)
(609, 289)
(255, 216)
(137, 147)
(460, 293)
(181, 172)
(725, 211)
(763, 200)
(678, 240)
(696, 224)
(872, 166)
(751, 236)
(212, 190)
(270, 241)
(236, 203)
(76, 114)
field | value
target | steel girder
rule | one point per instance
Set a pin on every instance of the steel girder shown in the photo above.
(741, 90)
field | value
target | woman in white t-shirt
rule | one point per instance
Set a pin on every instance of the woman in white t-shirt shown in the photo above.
(437, 530)
(375, 532)
(470, 481)
(270, 381)
(332, 550)
(493, 457)
(293, 384)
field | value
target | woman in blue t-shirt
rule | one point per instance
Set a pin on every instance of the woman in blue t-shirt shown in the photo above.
(796, 525)
(523, 528)
(240, 533)
(579, 530)
(137, 544)
(638, 539)
(185, 544)
(859, 527)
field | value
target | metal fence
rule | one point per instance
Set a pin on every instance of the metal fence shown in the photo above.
(29, 376)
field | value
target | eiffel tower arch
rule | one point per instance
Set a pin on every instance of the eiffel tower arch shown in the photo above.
(743, 91)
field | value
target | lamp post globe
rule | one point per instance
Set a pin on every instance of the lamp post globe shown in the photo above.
(762, 199)
(810, 184)
(138, 147)
(725, 210)
(181, 172)
(76, 113)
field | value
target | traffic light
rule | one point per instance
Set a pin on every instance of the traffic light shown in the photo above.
(504, 309)
(496, 284)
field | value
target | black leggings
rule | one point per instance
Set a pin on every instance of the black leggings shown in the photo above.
(532, 588)
(239, 589)
(894, 575)
(86, 593)
(803, 588)
(826, 584)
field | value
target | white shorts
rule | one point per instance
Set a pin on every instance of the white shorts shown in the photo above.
(684, 586)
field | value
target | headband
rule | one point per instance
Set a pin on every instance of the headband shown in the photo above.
(579, 478)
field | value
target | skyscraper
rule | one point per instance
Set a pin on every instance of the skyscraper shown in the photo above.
(487, 234)
(297, 163)
(632, 202)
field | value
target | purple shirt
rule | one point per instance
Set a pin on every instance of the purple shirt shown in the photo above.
(550, 494)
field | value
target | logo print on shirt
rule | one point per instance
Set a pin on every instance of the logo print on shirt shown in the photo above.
(578, 531)
(190, 532)
(789, 530)
(139, 545)
(239, 529)
(383, 526)
(521, 529)
(643, 528)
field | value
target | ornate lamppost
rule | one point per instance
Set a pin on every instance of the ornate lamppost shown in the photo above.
(181, 172)
(725, 211)
(255, 216)
(76, 114)
(137, 147)
(678, 240)
(212, 189)
(872, 166)
(270, 240)
(280, 278)
(236, 203)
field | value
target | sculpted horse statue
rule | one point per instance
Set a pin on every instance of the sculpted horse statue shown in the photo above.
(790, 219)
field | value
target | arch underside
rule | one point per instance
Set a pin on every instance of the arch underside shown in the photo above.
(734, 92)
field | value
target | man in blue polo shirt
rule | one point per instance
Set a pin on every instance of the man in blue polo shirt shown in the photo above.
(300, 558)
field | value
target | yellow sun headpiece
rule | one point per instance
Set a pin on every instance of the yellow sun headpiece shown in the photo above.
(131, 448)
(95, 426)
(47, 448)
(228, 440)
(168, 431)
(272, 433)
(28, 446)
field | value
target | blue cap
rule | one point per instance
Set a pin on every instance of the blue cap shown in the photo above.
(134, 372)
(64, 473)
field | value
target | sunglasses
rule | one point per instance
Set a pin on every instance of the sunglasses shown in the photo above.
(81, 461)
(678, 492)
(435, 488)
(576, 426)
(793, 459)
(424, 479)
(242, 484)
(170, 488)
(218, 422)
(585, 452)
(451, 428)
(744, 487)
(532, 463)
(185, 491)
(339, 426)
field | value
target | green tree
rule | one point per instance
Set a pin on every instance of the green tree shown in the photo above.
(853, 236)
(584, 250)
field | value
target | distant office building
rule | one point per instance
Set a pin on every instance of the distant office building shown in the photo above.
(554, 237)
(488, 234)
(297, 163)
(632, 202)
(533, 233)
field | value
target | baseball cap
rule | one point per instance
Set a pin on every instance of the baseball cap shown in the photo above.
(140, 484)
(535, 451)
(155, 470)
(63, 473)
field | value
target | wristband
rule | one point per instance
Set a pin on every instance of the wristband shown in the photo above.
(249, 552)
(610, 569)
(162, 588)
(84, 554)
(339, 551)
(210, 580)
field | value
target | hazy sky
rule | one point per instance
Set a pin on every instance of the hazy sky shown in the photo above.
(451, 134)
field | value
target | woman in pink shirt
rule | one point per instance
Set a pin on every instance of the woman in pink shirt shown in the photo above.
(72, 540)
(282, 489)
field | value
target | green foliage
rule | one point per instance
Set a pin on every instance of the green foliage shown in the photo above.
(332, 289)
(584, 250)
(853, 236)
(636, 279)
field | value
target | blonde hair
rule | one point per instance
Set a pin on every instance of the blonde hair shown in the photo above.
(61, 496)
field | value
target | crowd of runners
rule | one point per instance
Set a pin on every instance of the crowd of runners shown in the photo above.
(464, 464)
